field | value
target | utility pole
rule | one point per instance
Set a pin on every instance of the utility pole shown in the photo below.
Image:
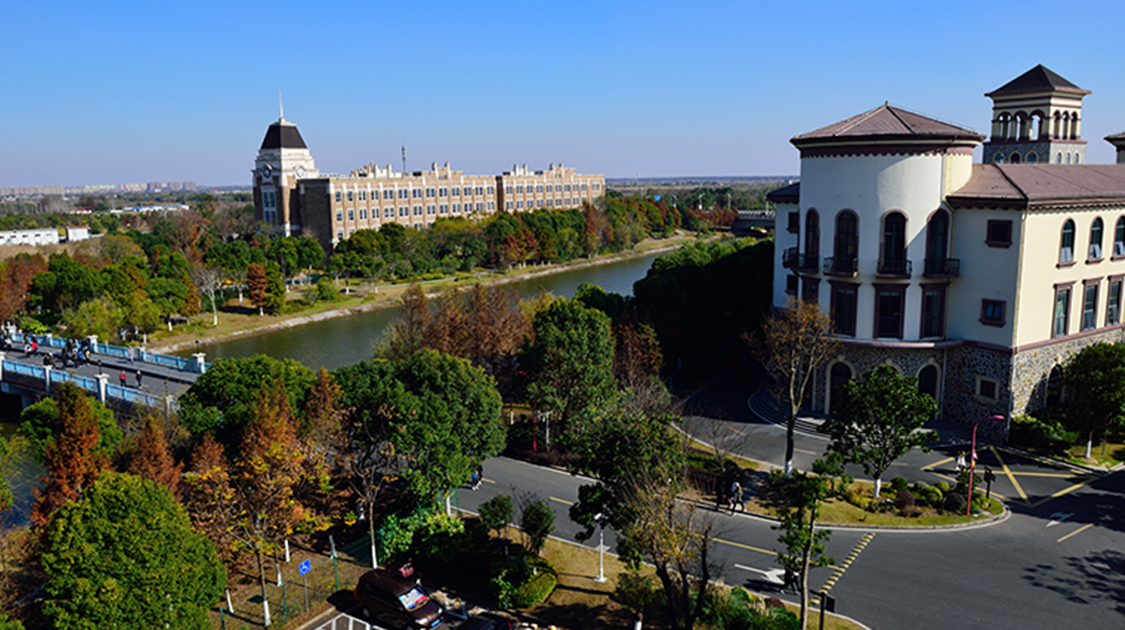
(404, 158)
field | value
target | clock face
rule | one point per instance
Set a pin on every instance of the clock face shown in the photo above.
(300, 171)
(267, 171)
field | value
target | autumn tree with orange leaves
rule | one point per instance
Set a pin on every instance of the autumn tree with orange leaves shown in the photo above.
(153, 461)
(72, 459)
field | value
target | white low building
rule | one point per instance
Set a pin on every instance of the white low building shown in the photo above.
(38, 236)
(979, 279)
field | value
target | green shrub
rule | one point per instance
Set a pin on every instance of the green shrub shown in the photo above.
(955, 502)
(857, 499)
(900, 484)
(496, 512)
(522, 581)
(326, 289)
(435, 540)
(537, 523)
(919, 487)
(904, 499)
(943, 486)
(933, 497)
(1048, 434)
(538, 588)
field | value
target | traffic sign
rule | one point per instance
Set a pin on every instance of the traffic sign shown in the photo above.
(305, 567)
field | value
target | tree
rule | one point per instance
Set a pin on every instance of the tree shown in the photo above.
(407, 335)
(40, 423)
(441, 414)
(98, 316)
(221, 400)
(496, 513)
(169, 295)
(10, 624)
(71, 457)
(537, 522)
(125, 556)
(257, 284)
(570, 362)
(880, 420)
(151, 459)
(795, 343)
(799, 499)
(209, 282)
(1097, 376)
(275, 288)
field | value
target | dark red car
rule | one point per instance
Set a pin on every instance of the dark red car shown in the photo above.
(402, 602)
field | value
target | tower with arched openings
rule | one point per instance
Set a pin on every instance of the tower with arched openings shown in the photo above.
(1036, 118)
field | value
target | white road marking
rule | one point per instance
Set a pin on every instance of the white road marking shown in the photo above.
(1059, 517)
(773, 575)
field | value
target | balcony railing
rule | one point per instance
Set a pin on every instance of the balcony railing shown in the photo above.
(792, 259)
(834, 266)
(894, 269)
(943, 267)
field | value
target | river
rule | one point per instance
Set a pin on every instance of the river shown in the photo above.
(348, 340)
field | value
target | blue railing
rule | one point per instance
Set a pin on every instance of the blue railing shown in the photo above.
(87, 383)
(122, 352)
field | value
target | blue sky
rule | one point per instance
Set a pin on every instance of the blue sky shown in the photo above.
(115, 92)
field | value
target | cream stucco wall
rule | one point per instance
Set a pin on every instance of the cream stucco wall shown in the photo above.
(783, 240)
(987, 273)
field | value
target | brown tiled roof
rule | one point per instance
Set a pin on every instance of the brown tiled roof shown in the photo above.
(283, 135)
(1117, 139)
(1038, 79)
(886, 122)
(1031, 186)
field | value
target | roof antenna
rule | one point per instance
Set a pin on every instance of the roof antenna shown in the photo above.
(404, 158)
(280, 105)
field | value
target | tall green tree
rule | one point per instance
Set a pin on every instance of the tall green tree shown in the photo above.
(880, 420)
(1097, 376)
(124, 556)
(570, 362)
(442, 415)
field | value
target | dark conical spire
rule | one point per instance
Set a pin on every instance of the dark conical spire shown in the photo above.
(1038, 79)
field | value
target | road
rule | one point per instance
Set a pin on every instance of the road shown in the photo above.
(1057, 562)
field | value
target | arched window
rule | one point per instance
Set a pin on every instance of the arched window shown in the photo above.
(1058, 160)
(1015, 159)
(838, 379)
(1032, 157)
(1066, 246)
(1068, 158)
(894, 244)
(812, 234)
(1119, 237)
(998, 158)
(928, 380)
(937, 243)
(1095, 249)
(847, 242)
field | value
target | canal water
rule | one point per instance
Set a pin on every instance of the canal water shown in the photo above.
(348, 340)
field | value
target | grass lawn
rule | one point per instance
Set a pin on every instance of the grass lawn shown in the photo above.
(1114, 453)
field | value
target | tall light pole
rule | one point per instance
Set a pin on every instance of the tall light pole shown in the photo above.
(973, 462)
(600, 518)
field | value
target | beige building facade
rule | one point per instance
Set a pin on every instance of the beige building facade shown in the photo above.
(981, 280)
(291, 195)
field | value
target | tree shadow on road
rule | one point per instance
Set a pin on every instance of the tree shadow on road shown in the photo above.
(1097, 578)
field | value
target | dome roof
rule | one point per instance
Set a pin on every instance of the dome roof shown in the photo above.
(283, 135)
(885, 129)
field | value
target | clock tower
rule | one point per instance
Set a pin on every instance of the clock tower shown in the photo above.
(283, 160)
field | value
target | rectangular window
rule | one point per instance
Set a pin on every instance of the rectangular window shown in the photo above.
(1113, 306)
(456, 208)
(888, 311)
(810, 290)
(339, 197)
(430, 192)
(1090, 306)
(519, 205)
(992, 312)
(418, 211)
(351, 196)
(339, 215)
(403, 193)
(340, 234)
(1062, 311)
(430, 209)
(363, 213)
(403, 211)
(933, 310)
(443, 192)
(794, 222)
(388, 194)
(507, 190)
(583, 187)
(999, 234)
(987, 388)
(456, 192)
(491, 206)
(843, 309)
(444, 208)
(351, 214)
(363, 195)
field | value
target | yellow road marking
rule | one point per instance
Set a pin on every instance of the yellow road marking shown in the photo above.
(1077, 531)
(1058, 494)
(742, 546)
(563, 501)
(1008, 472)
(487, 480)
(805, 452)
(1052, 475)
(839, 572)
(937, 463)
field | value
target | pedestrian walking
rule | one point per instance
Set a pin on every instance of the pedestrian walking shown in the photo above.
(130, 351)
(961, 462)
(123, 378)
(138, 379)
(736, 496)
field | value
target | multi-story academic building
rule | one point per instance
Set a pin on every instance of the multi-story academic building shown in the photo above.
(979, 279)
(294, 197)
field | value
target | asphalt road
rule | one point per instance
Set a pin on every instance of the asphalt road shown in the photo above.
(1057, 562)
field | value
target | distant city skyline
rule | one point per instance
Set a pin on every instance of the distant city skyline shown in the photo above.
(117, 92)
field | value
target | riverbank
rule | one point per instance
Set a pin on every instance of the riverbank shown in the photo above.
(236, 322)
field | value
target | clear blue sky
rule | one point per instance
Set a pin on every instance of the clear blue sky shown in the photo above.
(115, 92)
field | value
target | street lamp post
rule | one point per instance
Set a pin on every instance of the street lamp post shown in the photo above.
(973, 462)
(600, 518)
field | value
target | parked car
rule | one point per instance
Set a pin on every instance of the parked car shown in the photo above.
(402, 602)
(486, 621)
